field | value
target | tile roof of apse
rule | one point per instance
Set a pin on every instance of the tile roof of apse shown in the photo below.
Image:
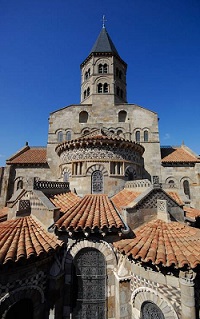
(177, 154)
(166, 244)
(29, 155)
(104, 43)
(23, 239)
(93, 213)
(65, 200)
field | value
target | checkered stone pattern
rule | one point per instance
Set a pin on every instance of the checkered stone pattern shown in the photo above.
(173, 294)
(36, 280)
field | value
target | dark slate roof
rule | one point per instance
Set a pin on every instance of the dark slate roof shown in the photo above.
(104, 43)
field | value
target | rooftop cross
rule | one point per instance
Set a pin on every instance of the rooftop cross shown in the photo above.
(104, 20)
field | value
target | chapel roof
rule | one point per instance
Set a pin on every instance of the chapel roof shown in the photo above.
(162, 243)
(25, 239)
(93, 213)
(65, 200)
(29, 155)
(191, 212)
(124, 198)
(177, 154)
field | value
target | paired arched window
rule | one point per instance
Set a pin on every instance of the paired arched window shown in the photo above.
(87, 74)
(103, 68)
(137, 136)
(86, 93)
(102, 88)
(118, 73)
(83, 117)
(122, 115)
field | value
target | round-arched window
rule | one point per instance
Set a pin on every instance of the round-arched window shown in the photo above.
(122, 115)
(83, 117)
(150, 310)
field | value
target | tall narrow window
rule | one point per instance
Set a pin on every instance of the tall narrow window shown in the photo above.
(60, 136)
(186, 188)
(90, 288)
(146, 136)
(100, 88)
(137, 136)
(105, 88)
(68, 136)
(65, 177)
(97, 182)
(100, 68)
(88, 91)
(85, 94)
(105, 68)
(122, 116)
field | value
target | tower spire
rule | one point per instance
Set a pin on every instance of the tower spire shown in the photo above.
(103, 20)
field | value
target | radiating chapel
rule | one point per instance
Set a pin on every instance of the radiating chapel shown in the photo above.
(103, 222)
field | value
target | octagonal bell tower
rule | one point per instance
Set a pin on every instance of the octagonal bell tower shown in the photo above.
(103, 74)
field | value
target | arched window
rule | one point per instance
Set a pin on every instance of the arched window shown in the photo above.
(130, 173)
(100, 68)
(21, 309)
(68, 136)
(97, 182)
(137, 136)
(100, 88)
(20, 184)
(117, 72)
(89, 284)
(88, 91)
(122, 115)
(186, 188)
(83, 117)
(85, 94)
(150, 310)
(60, 136)
(105, 68)
(171, 183)
(88, 73)
(146, 136)
(105, 88)
(119, 132)
(86, 132)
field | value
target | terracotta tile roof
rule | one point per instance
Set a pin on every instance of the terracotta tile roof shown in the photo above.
(124, 198)
(168, 244)
(25, 238)
(91, 213)
(191, 212)
(175, 197)
(3, 213)
(65, 201)
(33, 155)
(177, 154)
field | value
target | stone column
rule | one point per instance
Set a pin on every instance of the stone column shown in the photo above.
(187, 294)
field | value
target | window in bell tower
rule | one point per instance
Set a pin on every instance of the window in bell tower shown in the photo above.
(100, 68)
(105, 88)
(146, 136)
(100, 88)
(88, 91)
(105, 68)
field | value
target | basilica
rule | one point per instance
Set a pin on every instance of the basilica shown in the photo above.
(103, 222)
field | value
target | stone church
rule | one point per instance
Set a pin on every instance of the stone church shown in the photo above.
(103, 222)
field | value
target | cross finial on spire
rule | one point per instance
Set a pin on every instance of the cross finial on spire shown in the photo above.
(104, 20)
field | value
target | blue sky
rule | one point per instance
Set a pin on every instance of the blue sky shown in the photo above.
(43, 42)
